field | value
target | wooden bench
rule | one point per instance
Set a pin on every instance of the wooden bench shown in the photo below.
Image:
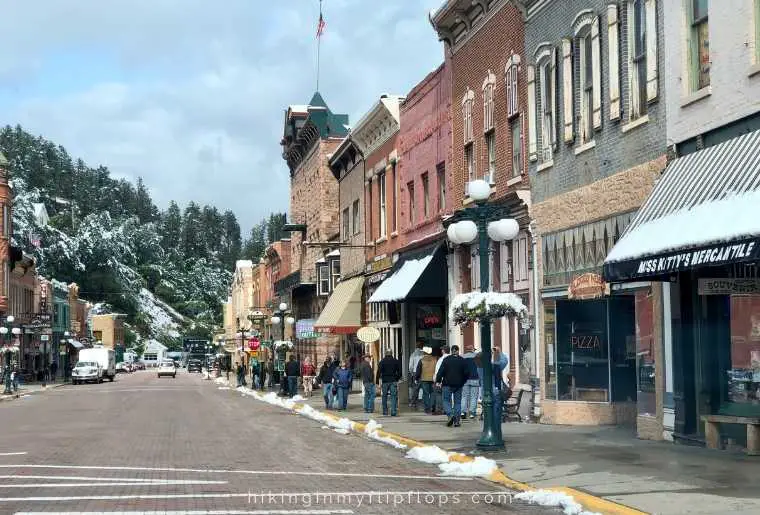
(511, 406)
(712, 431)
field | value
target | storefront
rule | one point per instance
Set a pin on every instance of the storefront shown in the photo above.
(386, 318)
(699, 236)
(414, 293)
(342, 316)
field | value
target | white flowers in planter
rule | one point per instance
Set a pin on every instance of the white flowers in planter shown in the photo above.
(485, 306)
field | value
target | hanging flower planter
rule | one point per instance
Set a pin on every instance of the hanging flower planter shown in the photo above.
(485, 307)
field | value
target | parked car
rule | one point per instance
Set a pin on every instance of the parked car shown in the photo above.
(87, 371)
(103, 357)
(122, 368)
(194, 365)
(167, 368)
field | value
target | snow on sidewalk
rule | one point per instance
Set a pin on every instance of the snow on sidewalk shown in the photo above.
(555, 499)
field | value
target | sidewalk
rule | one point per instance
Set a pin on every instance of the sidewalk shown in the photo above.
(28, 389)
(606, 462)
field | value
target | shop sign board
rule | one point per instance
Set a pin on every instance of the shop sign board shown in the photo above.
(368, 334)
(378, 265)
(587, 286)
(305, 329)
(729, 286)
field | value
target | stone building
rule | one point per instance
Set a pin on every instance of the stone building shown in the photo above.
(697, 236)
(311, 133)
(596, 146)
(484, 44)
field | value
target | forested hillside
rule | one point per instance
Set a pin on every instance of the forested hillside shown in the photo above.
(169, 271)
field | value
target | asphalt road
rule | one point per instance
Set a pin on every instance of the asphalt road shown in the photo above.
(143, 444)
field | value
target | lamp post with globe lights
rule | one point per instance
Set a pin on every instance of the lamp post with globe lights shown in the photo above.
(480, 223)
(281, 316)
(4, 330)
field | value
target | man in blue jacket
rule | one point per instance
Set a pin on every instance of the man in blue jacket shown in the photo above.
(452, 375)
(389, 372)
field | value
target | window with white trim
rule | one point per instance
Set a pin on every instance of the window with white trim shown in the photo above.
(440, 172)
(469, 162)
(488, 104)
(512, 90)
(383, 220)
(324, 279)
(520, 266)
(516, 134)
(757, 31)
(6, 221)
(475, 267)
(425, 195)
(490, 174)
(467, 102)
(355, 216)
(546, 84)
(637, 51)
(346, 229)
(334, 273)
(698, 44)
(586, 83)
(412, 205)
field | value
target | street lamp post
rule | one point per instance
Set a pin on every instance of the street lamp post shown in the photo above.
(67, 341)
(282, 316)
(7, 372)
(480, 222)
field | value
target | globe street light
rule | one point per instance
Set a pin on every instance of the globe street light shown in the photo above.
(480, 222)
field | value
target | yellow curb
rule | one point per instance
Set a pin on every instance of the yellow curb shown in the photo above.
(588, 501)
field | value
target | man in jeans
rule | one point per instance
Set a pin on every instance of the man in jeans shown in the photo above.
(452, 375)
(369, 385)
(414, 384)
(424, 375)
(471, 388)
(389, 372)
(293, 372)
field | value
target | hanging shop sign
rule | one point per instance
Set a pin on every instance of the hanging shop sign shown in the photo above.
(587, 286)
(305, 329)
(380, 264)
(729, 286)
(368, 334)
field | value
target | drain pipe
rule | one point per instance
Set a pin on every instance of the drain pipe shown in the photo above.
(536, 380)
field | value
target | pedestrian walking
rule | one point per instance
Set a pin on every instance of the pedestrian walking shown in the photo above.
(293, 372)
(471, 388)
(425, 375)
(452, 375)
(368, 381)
(240, 371)
(324, 378)
(53, 370)
(388, 374)
(307, 373)
(343, 377)
(414, 384)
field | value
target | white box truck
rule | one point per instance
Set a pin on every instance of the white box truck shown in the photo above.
(102, 356)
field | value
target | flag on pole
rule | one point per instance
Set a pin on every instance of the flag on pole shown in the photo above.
(320, 26)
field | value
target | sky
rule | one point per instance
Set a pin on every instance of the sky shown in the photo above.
(190, 94)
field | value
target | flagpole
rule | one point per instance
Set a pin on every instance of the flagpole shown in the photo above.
(319, 44)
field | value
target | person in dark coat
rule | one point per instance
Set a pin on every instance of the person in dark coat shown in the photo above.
(452, 376)
(389, 373)
(368, 381)
(293, 372)
(343, 378)
(324, 378)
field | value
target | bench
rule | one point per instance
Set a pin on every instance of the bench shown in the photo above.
(511, 406)
(712, 431)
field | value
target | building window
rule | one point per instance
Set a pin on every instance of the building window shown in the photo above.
(516, 132)
(586, 67)
(346, 232)
(412, 207)
(355, 213)
(545, 99)
(394, 223)
(381, 200)
(425, 195)
(334, 273)
(475, 267)
(467, 102)
(637, 44)
(699, 45)
(488, 104)
(6, 221)
(512, 91)
(324, 279)
(441, 176)
(520, 266)
(490, 175)
(469, 162)
(370, 233)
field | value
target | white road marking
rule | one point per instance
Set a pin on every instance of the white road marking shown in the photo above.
(12, 453)
(197, 512)
(247, 472)
(160, 482)
(89, 478)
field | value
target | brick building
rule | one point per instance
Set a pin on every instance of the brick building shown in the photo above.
(596, 146)
(311, 133)
(485, 45)
(692, 236)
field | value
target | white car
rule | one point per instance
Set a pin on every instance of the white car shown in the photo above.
(87, 371)
(167, 368)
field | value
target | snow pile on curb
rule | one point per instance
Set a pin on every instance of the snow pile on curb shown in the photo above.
(222, 381)
(479, 467)
(223, 388)
(428, 454)
(341, 430)
(549, 498)
(371, 430)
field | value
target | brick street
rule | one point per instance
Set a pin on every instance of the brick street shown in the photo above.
(142, 444)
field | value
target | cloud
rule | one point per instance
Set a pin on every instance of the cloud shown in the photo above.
(189, 94)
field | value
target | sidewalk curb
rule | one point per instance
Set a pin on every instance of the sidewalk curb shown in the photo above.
(7, 398)
(588, 501)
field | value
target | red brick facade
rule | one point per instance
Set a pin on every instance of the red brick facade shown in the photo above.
(381, 158)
